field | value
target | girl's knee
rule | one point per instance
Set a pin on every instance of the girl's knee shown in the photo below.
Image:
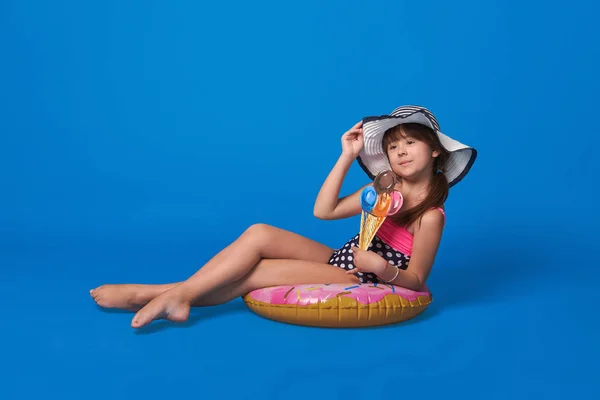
(258, 229)
(260, 233)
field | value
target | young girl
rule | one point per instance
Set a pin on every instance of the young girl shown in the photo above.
(407, 142)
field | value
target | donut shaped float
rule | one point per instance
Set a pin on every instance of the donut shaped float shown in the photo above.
(338, 305)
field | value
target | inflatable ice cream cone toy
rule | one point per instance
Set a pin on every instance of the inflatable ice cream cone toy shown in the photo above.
(378, 201)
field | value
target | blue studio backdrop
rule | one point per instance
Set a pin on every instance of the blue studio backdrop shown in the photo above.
(138, 138)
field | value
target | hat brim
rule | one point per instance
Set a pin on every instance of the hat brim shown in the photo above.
(373, 159)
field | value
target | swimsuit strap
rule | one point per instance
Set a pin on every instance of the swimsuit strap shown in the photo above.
(442, 211)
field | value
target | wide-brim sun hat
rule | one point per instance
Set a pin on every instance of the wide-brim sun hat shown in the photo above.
(373, 159)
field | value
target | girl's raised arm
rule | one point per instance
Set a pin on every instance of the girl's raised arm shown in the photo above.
(328, 204)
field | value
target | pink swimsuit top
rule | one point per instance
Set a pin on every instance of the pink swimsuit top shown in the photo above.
(398, 237)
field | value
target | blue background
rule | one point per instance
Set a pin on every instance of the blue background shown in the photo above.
(140, 137)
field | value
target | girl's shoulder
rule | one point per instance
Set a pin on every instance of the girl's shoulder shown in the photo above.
(434, 218)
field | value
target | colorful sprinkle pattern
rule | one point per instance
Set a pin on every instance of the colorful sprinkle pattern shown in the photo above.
(313, 294)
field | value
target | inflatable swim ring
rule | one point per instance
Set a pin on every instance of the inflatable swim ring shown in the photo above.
(338, 304)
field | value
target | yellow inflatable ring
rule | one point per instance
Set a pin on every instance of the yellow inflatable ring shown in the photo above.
(338, 305)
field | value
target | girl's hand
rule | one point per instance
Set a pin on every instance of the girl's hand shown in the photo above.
(368, 261)
(352, 141)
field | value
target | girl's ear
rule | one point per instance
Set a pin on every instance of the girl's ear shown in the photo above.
(435, 153)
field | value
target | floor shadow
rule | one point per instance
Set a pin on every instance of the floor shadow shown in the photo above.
(113, 310)
(489, 270)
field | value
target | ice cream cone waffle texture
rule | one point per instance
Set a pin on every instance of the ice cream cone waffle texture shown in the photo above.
(369, 224)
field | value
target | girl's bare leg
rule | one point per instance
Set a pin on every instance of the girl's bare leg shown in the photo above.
(174, 305)
(289, 258)
(134, 296)
(265, 273)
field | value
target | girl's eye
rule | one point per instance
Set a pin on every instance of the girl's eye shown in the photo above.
(392, 147)
(410, 142)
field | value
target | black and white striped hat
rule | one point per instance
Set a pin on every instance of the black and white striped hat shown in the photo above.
(373, 159)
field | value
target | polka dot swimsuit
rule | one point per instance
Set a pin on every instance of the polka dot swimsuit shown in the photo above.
(344, 259)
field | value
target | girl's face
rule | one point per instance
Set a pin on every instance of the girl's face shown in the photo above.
(409, 157)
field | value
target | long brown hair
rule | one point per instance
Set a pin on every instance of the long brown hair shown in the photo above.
(438, 188)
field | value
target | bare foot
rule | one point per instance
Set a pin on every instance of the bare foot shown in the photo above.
(128, 297)
(169, 305)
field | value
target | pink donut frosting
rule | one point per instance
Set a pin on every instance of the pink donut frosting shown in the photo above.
(318, 293)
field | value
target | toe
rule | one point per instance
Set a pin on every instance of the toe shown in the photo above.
(137, 322)
(141, 318)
